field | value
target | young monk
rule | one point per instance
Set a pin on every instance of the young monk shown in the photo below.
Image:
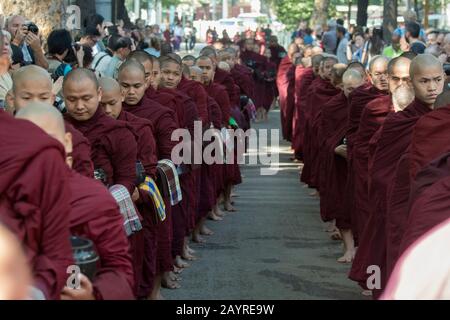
(34, 84)
(427, 76)
(94, 215)
(35, 202)
(133, 85)
(144, 253)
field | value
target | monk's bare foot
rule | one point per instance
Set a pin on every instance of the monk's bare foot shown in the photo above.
(336, 235)
(212, 216)
(188, 257)
(219, 213)
(330, 226)
(228, 207)
(167, 282)
(177, 270)
(190, 250)
(314, 193)
(197, 238)
(205, 231)
(367, 293)
(348, 257)
(180, 263)
(174, 277)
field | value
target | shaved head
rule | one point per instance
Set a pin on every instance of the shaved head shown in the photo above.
(378, 72)
(443, 100)
(132, 82)
(50, 120)
(398, 74)
(428, 78)
(81, 75)
(209, 51)
(31, 84)
(224, 66)
(351, 79)
(132, 66)
(316, 50)
(316, 61)
(112, 97)
(109, 85)
(337, 73)
(358, 66)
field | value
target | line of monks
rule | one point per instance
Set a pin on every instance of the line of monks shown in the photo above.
(375, 145)
(49, 160)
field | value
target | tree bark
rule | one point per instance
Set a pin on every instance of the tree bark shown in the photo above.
(46, 14)
(389, 19)
(320, 13)
(361, 18)
(122, 13)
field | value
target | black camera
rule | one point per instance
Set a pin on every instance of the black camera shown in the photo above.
(447, 69)
(31, 27)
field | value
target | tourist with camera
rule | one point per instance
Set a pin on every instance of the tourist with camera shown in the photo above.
(25, 43)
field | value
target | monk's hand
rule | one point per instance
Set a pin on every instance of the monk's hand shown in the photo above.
(57, 85)
(33, 41)
(341, 151)
(135, 195)
(85, 292)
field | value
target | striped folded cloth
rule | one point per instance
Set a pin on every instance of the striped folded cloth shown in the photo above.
(150, 186)
(168, 174)
(131, 221)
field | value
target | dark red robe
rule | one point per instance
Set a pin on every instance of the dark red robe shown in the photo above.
(371, 119)
(114, 148)
(393, 142)
(198, 94)
(257, 63)
(164, 123)
(286, 89)
(429, 204)
(81, 153)
(225, 79)
(334, 168)
(96, 216)
(35, 200)
(303, 80)
(433, 127)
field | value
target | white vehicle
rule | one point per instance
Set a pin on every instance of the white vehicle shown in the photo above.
(250, 20)
(232, 26)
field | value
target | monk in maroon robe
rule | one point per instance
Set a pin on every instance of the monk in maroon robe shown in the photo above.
(286, 89)
(94, 215)
(432, 127)
(277, 52)
(35, 202)
(33, 84)
(133, 84)
(393, 142)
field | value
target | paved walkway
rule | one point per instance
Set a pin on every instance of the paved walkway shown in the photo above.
(274, 247)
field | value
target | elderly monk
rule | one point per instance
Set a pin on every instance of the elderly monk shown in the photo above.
(371, 119)
(94, 216)
(34, 84)
(143, 248)
(286, 89)
(134, 85)
(35, 201)
(427, 79)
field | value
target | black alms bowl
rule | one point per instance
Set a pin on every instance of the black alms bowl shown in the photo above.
(85, 256)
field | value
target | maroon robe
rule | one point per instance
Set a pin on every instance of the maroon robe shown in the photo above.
(81, 153)
(433, 127)
(303, 80)
(334, 168)
(371, 119)
(198, 94)
(96, 216)
(321, 94)
(277, 53)
(286, 89)
(258, 64)
(429, 205)
(243, 78)
(393, 142)
(225, 79)
(113, 147)
(269, 92)
(164, 123)
(35, 200)
(358, 99)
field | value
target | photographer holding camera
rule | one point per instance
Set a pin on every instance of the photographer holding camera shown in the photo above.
(25, 44)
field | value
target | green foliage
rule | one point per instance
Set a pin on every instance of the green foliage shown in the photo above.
(290, 12)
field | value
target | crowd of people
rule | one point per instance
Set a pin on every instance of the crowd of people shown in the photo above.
(86, 146)
(371, 128)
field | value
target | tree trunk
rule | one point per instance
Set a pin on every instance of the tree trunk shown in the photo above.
(122, 13)
(361, 18)
(320, 13)
(46, 14)
(87, 8)
(389, 19)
